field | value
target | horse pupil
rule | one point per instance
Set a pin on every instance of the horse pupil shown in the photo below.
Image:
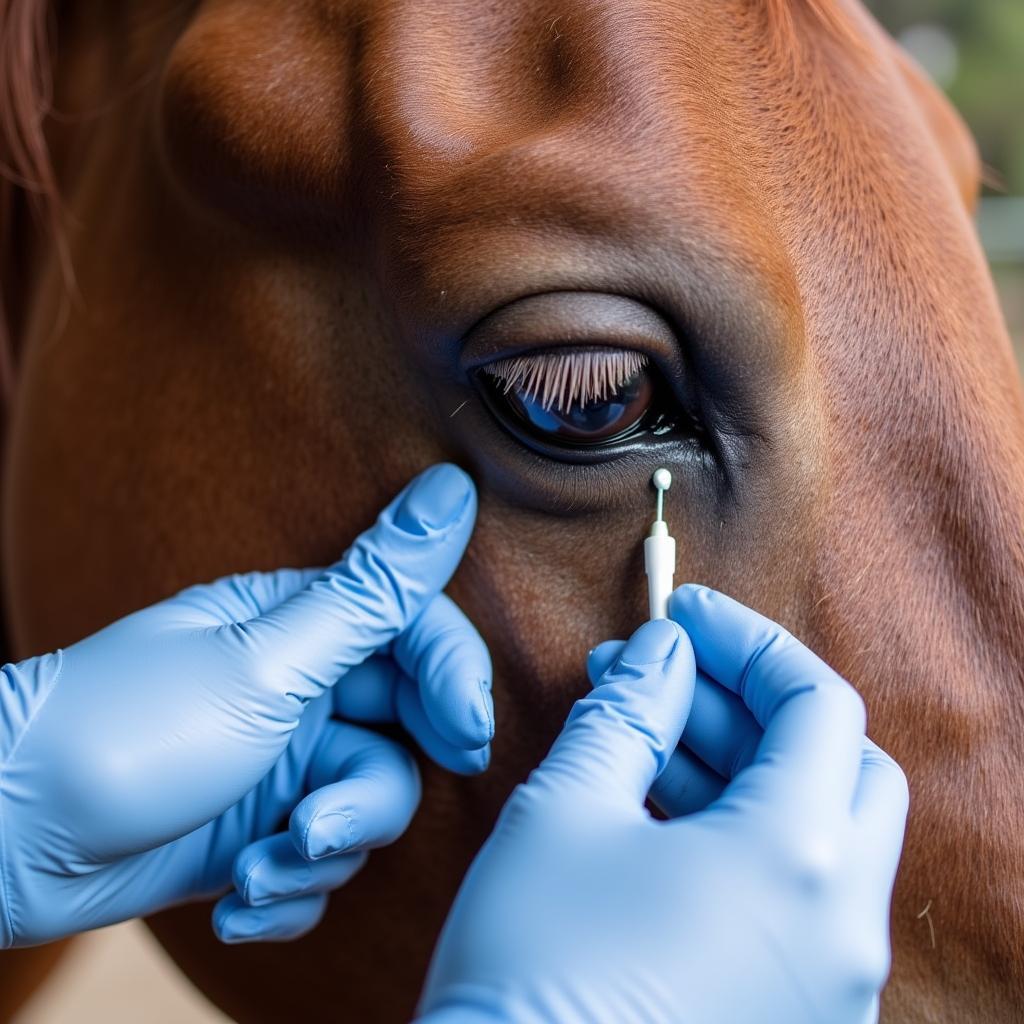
(592, 423)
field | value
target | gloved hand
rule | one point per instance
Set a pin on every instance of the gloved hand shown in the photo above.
(768, 905)
(154, 761)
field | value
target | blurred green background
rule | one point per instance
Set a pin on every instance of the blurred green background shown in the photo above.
(974, 49)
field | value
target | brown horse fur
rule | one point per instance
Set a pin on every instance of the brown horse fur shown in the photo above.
(285, 219)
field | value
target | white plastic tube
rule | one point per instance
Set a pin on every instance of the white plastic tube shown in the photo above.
(660, 566)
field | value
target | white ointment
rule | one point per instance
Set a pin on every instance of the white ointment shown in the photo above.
(659, 552)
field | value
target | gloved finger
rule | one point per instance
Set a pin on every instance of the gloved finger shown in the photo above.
(363, 602)
(271, 869)
(880, 807)
(687, 785)
(721, 731)
(379, 691)
(370, 691)
(234, 922)
(601, 658)
(365, 790)
(413, 717)
(241, 596)
(813, 720)
(620, 736)
(445, 654)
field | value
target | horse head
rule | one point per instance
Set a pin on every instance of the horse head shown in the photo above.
(319, 245)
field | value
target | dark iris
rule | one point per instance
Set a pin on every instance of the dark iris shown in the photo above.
(595, 422)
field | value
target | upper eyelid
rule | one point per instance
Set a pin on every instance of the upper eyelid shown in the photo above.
(563, 377)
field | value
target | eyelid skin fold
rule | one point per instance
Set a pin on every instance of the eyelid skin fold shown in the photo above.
(554, 320)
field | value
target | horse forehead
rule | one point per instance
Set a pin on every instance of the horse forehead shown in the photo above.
(461, 82)
(638, 117)
(437, 84)
(632, 121)
(662, 89)
(675, 128)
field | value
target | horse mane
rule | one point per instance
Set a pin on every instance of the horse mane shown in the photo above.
(782, 15)
(25, 167)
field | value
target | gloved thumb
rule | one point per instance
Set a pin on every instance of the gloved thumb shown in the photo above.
(618, 739)
(358, 605)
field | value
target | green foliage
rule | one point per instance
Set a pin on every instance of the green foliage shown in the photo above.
(988, 88)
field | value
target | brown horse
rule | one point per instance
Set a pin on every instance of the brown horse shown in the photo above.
(297, 230)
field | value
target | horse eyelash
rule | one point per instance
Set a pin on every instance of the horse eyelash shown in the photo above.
(562, 379)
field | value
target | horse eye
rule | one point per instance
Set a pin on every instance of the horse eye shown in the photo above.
(572, 398)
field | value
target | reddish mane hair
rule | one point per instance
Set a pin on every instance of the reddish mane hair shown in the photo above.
(25, 99)
(781, 13)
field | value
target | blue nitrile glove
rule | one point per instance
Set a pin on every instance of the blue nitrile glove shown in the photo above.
(154, 762)
(769, 906)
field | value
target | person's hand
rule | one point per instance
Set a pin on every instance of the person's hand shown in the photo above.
(767, 902)
(155, 761)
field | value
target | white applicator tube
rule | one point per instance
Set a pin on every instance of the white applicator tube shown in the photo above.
(660, 552)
